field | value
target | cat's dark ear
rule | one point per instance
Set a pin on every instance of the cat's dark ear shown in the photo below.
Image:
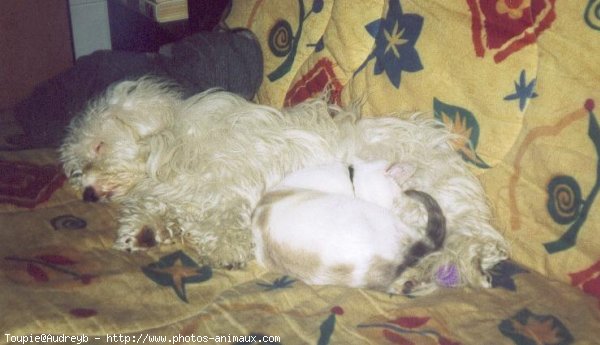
(401, 171)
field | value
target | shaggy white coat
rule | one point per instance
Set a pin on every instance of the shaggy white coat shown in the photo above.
(194, 169)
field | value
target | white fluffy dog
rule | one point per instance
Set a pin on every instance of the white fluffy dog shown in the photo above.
(194, 169)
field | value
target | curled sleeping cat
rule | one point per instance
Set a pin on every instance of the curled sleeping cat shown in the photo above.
(334, 225)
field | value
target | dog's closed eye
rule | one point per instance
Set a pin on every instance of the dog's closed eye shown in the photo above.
(99, 147)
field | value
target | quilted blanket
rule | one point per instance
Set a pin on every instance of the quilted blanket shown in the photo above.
(518, 79)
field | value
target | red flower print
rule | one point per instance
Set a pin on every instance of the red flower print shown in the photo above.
(503, 27)
(409, 330)
(36, 272)
(337, 310)
(396, 338)
(320, 78)
(27, 185)
(588, 280)
(46, 268)
(410, 322)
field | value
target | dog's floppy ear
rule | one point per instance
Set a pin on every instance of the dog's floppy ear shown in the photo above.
(148, 122)
(401, 171)
(145, 105)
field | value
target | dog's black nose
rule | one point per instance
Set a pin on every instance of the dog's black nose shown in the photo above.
(89, 194)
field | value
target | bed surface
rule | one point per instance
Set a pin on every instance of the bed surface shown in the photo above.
(520, 81)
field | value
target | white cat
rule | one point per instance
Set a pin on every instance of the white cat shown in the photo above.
(334, 225)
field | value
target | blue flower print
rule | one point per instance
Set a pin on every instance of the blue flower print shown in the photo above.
(395, 38)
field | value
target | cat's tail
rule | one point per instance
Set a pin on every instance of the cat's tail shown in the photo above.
(436, 221)
(435, 231)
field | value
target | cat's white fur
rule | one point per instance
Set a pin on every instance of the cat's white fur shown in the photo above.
(335, 225)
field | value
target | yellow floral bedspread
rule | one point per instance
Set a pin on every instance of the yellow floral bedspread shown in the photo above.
(520, 79)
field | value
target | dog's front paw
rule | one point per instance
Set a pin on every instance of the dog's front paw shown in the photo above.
(413, 284)
(141, 240)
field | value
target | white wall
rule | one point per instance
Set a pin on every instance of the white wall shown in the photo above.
(89, 22)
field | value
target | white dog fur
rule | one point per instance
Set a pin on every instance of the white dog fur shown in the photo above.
(194, 169)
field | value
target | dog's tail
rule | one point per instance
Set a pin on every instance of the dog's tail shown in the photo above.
(435, 231)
